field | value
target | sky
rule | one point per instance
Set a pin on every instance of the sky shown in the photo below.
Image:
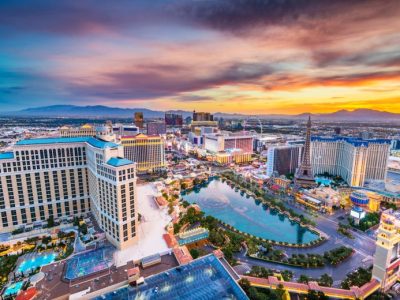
(244, 56)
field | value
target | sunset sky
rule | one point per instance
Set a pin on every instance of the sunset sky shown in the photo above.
(247, 56)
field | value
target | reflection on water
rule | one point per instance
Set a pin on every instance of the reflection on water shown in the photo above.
(219, 200)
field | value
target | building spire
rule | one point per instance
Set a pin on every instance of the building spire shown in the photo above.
(304, 175)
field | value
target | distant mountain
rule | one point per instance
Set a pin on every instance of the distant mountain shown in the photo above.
(100, 111)
(361, 115)
(96, 111)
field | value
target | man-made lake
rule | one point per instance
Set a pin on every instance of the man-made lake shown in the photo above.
(219, 200)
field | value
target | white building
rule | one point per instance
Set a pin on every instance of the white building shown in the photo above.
(68, 177)
(354, 159)
(228, 147)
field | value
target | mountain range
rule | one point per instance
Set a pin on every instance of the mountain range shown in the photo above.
(100, 111)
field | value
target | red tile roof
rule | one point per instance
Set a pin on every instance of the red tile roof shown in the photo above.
(29, 294)
(182, 255)
(170, 240)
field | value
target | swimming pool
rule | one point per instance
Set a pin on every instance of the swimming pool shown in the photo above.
(35, 262)
(204, 278)
(246, 214)
(88, 263)
(13, 289)
(323, 180)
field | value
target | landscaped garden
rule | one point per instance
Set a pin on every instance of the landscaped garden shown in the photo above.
(358, 278)
(7, 264)
(344, 229)
(308, 260)
(370, 220)
(46, 249)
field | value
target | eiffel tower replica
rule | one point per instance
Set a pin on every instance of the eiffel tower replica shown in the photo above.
(304, 176)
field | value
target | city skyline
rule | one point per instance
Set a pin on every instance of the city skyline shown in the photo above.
(232, 56)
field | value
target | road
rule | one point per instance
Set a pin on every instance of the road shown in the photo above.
(362, 244)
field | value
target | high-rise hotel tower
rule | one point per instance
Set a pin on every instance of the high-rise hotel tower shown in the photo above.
(69, 177)
(354, 159)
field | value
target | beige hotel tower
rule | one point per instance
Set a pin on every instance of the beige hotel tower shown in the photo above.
(71, 176)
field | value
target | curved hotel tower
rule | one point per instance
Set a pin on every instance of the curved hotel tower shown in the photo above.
(68, 177)
(354, 159)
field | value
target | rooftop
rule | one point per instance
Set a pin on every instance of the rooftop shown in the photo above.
(203, 278)
(65, 140)
(355, 141)
(118, 162)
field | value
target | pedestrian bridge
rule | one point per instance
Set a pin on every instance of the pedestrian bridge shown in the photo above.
(355, 292)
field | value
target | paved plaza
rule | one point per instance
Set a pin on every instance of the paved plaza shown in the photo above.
(151, 228)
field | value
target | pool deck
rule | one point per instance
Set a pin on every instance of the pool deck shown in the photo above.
(55, 287)
(151, 231)
(30, 256)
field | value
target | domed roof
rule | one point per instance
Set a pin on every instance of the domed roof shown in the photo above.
(359, 198)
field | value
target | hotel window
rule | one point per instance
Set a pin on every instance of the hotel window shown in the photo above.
(66, 204)
(10, 191)
(133, 230)
(23, 215)
(42, 214)
(59, 212)
(4, 219)
(50, 209)
(75, 206)
(125, 227)
(2, 202)
(33, 214)
(14, 217)
(72, 182)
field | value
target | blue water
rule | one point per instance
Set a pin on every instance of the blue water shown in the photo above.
(205, 278)
(324, 181)
(13, 289)
(33, 263)
(219, 200)
(88, 263)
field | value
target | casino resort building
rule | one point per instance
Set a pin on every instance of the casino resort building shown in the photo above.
(69, 176)
(354, 159)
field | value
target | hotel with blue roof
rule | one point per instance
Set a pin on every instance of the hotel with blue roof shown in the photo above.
(69, 176)
(354, 159)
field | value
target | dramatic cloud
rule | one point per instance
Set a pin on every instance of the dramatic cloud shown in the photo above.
(232, 55)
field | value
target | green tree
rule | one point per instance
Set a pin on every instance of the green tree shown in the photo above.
(280, 292)
(325, 280)
(357, 278)
(314, 295)
(83, 228)
(177, 227)
(245, 284)
(303, 279)
(194, 253)
(50, 222)
(287, 275)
